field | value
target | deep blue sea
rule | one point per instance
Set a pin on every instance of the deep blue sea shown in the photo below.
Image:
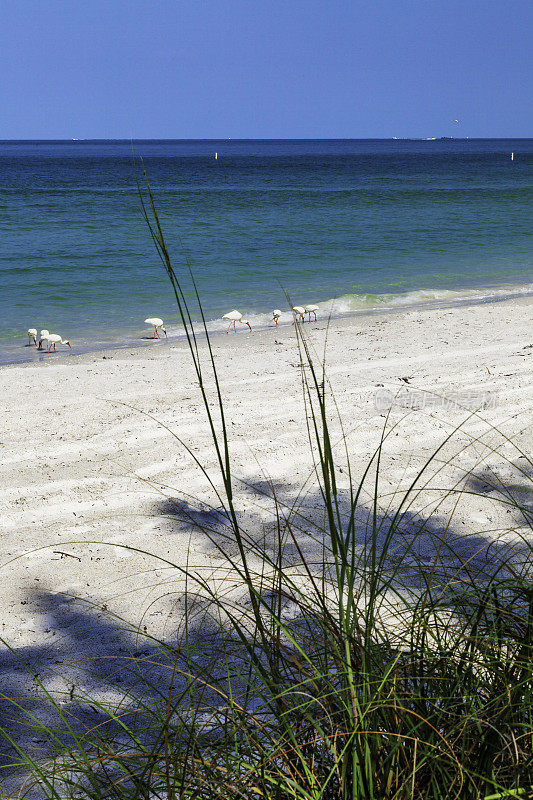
(363, 223)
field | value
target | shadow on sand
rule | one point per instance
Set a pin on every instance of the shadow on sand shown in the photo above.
(97, 662)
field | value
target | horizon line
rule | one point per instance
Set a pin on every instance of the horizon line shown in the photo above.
(272, 139)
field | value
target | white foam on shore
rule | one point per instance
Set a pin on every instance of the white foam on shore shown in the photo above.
(354, 303)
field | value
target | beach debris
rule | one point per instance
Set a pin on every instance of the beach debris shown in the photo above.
(157, 322)
(64, 555)
(32, 336)
(407, 379)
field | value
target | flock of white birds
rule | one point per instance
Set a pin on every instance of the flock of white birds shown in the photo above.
(299, 313)
(48, 341)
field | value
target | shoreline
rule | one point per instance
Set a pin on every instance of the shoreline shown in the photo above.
(29, 355)
(91, 469)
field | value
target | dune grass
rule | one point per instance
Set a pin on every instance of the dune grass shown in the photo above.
(343, 662)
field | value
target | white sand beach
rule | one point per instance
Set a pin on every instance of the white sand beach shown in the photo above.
(87, 467)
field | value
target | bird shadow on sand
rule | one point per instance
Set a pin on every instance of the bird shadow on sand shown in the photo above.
(100, 678)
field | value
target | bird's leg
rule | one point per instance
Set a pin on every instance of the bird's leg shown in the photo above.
(314, 312)
(229, 326)
(234, 328)
(156, 333)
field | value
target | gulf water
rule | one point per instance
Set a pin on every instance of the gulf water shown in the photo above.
(348, 224)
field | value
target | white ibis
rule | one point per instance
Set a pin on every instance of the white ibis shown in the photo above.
(55, 338)
(311, 310)
(157, 323)
(299, 312)
(276, 314)
(235, 316)
(32, 336)
(43, 337)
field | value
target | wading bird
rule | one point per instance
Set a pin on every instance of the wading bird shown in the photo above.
(311, 310)
(299, 312)
(276, 314)
(235, 316)
(32, 336)
(55, 338)
(157, 323)
(43, 337)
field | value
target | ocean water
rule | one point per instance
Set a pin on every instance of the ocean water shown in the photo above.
(348, 224)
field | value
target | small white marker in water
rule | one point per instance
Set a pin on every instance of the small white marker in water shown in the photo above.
(512, 156)
(216, 156)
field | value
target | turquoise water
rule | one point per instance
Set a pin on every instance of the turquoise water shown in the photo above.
(369, 223)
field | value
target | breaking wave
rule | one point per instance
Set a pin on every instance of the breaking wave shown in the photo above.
(367, 303)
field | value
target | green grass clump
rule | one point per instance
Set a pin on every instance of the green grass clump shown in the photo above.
(372, 671)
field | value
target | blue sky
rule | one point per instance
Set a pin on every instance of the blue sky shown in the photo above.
(268, 69)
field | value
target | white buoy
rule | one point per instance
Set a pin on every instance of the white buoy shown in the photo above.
(216, 156)
(512, 156)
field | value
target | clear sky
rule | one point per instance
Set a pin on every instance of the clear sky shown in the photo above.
(265, 68)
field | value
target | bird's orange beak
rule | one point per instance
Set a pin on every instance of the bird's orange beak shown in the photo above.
(68, 344)
(249, 325)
